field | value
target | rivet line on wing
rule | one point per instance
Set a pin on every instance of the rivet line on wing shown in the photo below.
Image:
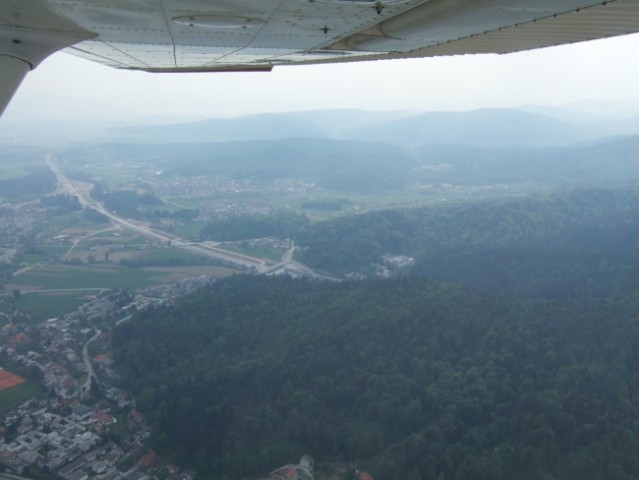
(253, 37)
(534, 20)
(127, 54)
(168, 29)
(88, 54)
(396, 10)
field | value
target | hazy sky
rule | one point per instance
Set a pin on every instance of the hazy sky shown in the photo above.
(67, 87)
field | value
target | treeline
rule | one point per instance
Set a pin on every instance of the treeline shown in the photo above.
(35, 184)
(415, 379)
(172, 258)
(280, 224)
(94, 216)
(585, 220)
(146, 205)
(61, 204)
(125, 202)
(533, 272)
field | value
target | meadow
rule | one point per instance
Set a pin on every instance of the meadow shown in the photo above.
(20, 393)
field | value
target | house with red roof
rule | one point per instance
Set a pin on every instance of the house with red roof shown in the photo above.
(148, 460)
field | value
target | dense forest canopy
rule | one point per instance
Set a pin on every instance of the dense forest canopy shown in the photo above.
(414, 378)
(61, 204)
(470, 149)
(139, 205)
(39, 182)
(596, 220)
(530, 371)
(280, 224)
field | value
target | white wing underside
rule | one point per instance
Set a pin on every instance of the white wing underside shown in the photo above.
(205, 34)
(212, 35)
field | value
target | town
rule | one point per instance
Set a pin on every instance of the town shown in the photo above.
(70, 275)
(82, 426)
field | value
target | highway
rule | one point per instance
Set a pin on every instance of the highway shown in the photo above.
(82, 191)
(287, 262)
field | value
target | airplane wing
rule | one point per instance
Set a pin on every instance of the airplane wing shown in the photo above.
(256, 35)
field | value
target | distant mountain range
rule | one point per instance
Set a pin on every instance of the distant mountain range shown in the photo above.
(373, 167)
(611, 160)
(375, 152)
(533, 126)
(485, 127)
(313, 124)
(478, 127)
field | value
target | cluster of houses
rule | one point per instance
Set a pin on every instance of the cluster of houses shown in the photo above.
(18, 220)
(302, 471)
(264, 242)
(7, 254)
(70, 429)
(74, 448)
(392, 263)
(37, 436)
(305, 470)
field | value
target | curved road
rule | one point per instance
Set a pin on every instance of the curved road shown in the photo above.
(85, 389)
(78, 240)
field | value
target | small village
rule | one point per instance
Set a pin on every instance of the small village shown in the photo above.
(72, 421)
(82, 427)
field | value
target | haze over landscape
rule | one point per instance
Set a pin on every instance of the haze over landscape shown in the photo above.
(412, 270)
(69, 88)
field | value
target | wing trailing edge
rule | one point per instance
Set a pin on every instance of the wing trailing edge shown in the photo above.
(256, 35)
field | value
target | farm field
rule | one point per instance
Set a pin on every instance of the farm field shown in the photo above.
(63, 276)
(8, 379)
(42, 306)
(15, 390)
(105, 276)
(176, 273)
(19, 161)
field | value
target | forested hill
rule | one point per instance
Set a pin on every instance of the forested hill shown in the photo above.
(596, 226)
(414, 379)
(372, 167)
(34, 184)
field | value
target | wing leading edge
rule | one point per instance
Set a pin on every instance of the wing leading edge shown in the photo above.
(255, 35)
